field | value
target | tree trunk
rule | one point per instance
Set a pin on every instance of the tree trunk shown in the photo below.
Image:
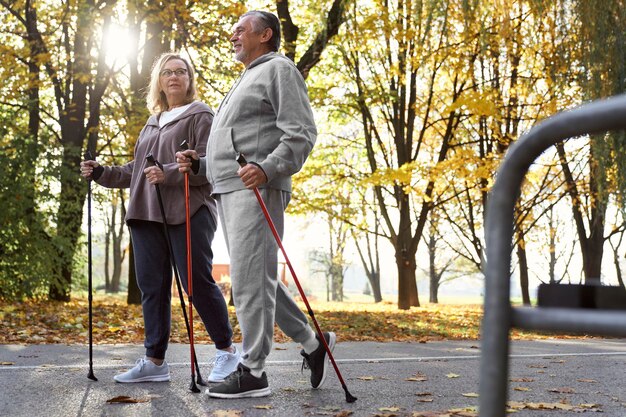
(337, 282)
(552, 247)
(434, 289)
(523, 267)
(69, 219)
(117, 233)
(372, 263)
(618, 269)
(407, 288)
(405, 255)
(432, 269)
(107, 258)
(592, 246)
(374, 280)
(332, 22)
(134, 294)
(405, 262)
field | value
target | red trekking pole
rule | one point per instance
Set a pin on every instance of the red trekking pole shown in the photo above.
(193, 387)
(349, 397)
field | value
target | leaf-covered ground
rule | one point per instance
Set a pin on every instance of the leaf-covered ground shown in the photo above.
(116, 322)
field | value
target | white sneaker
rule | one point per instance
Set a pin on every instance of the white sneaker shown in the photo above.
(145, 371)
(225, 363)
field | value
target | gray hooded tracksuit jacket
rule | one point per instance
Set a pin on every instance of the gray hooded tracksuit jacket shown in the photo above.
(267, 117)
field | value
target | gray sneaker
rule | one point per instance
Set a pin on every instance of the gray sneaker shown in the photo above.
(224, 364)
(145, 371)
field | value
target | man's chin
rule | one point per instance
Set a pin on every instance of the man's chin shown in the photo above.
(240, 56)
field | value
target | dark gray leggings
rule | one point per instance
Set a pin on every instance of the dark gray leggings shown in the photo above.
(154, 278)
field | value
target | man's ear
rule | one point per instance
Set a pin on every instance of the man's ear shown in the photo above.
(267, 35)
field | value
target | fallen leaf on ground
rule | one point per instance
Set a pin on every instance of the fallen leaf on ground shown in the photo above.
(392, 409)
(343, 413)
(516, 405)
(424, 400)
(454, 412)
(124, 399)
(263, 407)
(423, 394)
(227, 413)
(521, 389)
(365, 378)
(562, 390)
(549, 406)
(7, 363)
(591, 381)
(470, 395)
(522, 379)
(451, 375)
(589, 406)
(417, 379)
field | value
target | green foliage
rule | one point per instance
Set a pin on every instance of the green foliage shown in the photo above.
(26, 247)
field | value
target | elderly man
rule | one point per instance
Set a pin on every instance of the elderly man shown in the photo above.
(267, 117)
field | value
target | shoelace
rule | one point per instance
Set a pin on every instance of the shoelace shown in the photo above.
(141, 362)
(236, 375)
(216, 361)
(305, 362)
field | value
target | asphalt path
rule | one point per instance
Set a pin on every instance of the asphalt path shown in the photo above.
(389, 379)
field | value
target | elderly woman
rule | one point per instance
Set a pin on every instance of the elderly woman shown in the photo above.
(176, 116)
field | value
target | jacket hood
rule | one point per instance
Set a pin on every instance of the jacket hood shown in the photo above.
(195, 108)
(268, 57)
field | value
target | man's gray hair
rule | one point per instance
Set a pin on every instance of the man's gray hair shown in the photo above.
(264, 20)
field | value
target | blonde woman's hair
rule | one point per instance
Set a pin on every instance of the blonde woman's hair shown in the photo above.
(156, 100)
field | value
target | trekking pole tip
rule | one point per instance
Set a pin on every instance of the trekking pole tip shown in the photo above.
(92, 376)
(349, 397)
(201, 381)
(193, 387)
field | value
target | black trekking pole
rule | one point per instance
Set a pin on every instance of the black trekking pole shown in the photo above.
(184, 146)
(154, 162)
(349, 397)
(89, 157)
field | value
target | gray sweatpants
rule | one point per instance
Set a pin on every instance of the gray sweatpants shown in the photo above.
(259, 296)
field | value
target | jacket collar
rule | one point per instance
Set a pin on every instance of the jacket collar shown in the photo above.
(195, 108)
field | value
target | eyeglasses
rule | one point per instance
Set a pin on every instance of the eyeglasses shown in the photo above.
(179, 72)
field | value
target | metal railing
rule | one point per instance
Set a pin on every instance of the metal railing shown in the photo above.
(499, 316)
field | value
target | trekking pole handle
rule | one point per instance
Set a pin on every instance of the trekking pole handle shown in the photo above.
(241, 160)
(88, 156)
(153, 162)
(184, 145)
